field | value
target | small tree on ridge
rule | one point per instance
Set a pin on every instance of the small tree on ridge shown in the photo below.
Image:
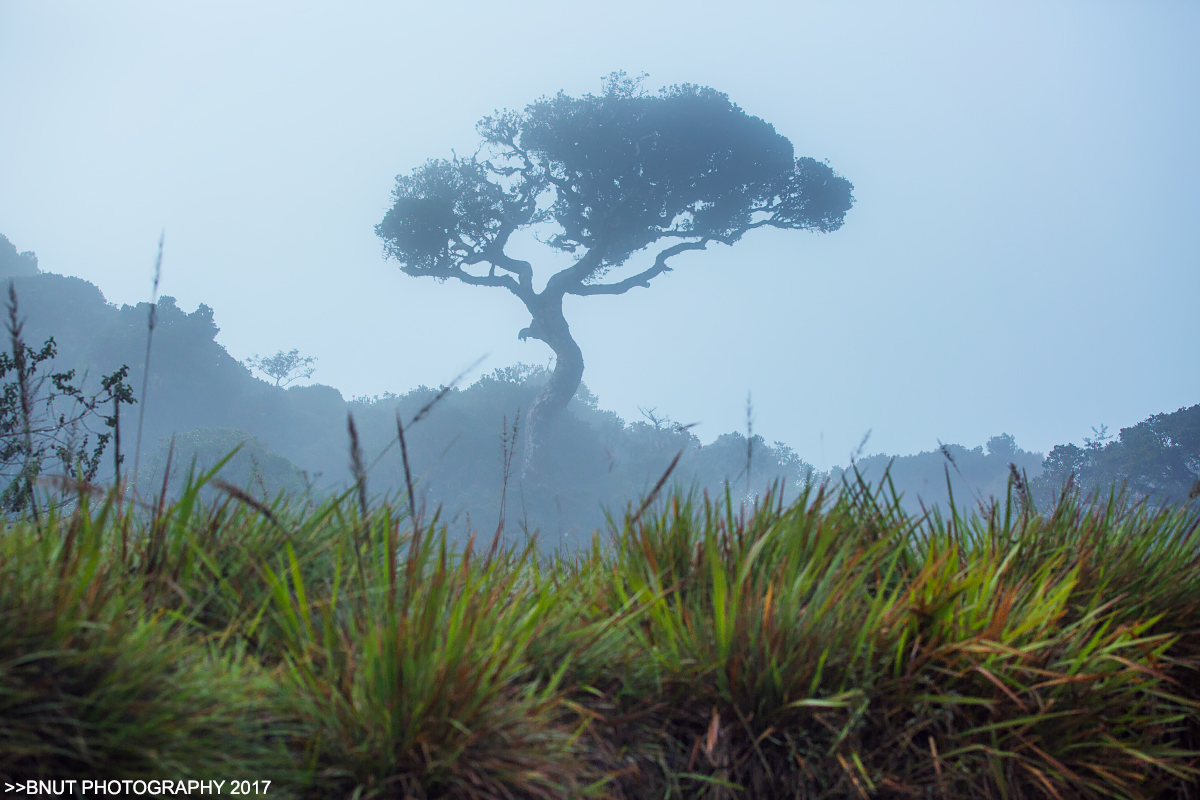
(283, 368)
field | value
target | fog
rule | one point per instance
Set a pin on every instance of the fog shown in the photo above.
(1022, 256)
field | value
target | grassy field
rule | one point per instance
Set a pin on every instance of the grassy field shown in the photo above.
(835, 647)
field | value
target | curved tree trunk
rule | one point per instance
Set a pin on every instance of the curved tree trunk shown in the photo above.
(551, 327)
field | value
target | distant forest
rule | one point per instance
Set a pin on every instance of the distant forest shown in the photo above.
(295, 438)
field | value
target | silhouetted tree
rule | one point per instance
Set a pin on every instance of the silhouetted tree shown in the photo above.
(602, 178)
(1158, 458)
(284, 368)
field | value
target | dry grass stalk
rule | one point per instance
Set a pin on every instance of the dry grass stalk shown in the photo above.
(356, 466)
(408, 481)
(507, 447)
(137, 455)
(245, 497)
(650, 498)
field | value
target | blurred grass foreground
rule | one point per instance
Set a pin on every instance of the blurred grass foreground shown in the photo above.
(836, 646)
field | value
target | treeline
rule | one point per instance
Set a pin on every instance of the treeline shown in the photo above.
(951, 472)
(1158, 458)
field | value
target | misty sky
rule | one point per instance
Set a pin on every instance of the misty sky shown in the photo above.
(1024, 254)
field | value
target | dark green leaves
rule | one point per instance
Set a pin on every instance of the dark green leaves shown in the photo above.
(615, 173)
(446, 212)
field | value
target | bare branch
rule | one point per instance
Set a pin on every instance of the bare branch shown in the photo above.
(642, 278)
(503, 281)
(458, 273)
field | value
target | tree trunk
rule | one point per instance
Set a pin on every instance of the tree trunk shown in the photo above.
(550, 326)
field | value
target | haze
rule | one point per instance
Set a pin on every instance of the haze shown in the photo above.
(1023, 255)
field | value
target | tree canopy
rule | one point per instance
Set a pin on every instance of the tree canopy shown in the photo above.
(1158, 457)
(602, 177)
(622, 171)
(283, 367)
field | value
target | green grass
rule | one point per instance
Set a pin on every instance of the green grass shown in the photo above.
(836, 647)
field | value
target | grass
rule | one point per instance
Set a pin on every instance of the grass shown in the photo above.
(834, 647)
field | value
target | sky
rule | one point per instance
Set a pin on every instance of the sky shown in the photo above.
(1023, 255)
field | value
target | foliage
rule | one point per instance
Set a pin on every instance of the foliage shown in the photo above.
(284, 368)
(93, 683)
(834, 646)
(854, 650)
(623, 170)
(47, 416)
(1158, 458)
(194, 383)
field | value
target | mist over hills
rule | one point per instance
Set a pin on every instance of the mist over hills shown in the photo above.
(295, 438)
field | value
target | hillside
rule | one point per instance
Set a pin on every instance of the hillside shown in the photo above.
(296, 437)
(201, 394)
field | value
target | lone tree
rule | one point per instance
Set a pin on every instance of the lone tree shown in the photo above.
(601, 178)
(282, 367)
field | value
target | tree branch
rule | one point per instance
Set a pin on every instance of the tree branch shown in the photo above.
(522, 269)
(565, 281)
(642, 278)
(503, 281)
